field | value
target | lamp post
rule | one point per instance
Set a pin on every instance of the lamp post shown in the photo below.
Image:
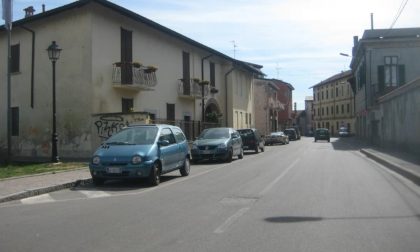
(54, 53)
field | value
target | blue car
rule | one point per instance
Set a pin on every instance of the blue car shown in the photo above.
(142, 151)
(217, 144)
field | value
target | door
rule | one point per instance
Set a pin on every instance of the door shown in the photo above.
(168, 154)
(126, 57)
(186, 73)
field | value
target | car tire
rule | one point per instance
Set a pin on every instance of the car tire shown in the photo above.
(229, 157)
(98, 181)
(241, 154)
(185, 169)
(154, 177)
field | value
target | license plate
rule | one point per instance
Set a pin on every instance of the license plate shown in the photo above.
(246, 146)
(206, 152)
(113, 170)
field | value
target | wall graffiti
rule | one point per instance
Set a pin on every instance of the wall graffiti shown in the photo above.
(107, 125)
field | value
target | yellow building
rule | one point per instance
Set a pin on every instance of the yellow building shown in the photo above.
(333, 105)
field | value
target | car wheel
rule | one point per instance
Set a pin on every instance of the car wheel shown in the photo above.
(98, 181)
(229, 157)
(241, 154)
(185, 169)
(154, 177)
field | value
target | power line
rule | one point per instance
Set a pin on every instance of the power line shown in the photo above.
(400, 10)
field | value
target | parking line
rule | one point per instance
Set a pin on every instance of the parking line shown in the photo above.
(269, 186)
(222, 228)
(44, 198)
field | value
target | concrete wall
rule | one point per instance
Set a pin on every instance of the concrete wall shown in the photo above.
(399, 118)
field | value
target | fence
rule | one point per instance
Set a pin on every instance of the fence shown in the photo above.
(192, 129)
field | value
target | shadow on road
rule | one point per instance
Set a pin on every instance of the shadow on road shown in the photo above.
(295, 219)
(347, 144)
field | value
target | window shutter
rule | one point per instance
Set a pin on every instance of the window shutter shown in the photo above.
(401, 75)
(381, 78)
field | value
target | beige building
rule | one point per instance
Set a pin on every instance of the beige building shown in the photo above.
(333, 103)
(116, 67)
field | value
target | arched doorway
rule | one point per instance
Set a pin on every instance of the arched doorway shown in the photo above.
(212, 112)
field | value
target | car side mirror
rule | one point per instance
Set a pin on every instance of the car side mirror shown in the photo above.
(163, 142)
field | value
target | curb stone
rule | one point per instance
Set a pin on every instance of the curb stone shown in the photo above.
(394, 167)
(38, 191)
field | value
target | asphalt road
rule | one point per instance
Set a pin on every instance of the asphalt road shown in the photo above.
(304, 196)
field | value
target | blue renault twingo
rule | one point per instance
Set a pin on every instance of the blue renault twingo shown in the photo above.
(141, 151)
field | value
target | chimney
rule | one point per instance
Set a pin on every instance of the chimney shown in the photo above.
(29, 11)
(43, 8)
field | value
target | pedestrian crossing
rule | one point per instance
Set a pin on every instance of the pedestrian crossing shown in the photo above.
(63, 196)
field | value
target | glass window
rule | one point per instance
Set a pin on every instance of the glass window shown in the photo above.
(179, 136)
(391, 67)
(167, 135)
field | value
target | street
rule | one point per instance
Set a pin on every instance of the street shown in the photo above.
(304, 196)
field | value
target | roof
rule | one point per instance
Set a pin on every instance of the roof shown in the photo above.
(282, 83)
(391, 33)
(345, 74)
(138, 18)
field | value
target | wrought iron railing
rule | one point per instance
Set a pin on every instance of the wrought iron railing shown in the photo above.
(192, 88)
(134, 74)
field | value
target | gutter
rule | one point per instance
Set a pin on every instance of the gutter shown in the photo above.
(32, 63)
(202, 86)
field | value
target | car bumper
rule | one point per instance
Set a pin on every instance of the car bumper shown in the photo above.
(121, 171)
(213, 155)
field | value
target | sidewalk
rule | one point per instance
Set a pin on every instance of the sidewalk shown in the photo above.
(28, 186)
(402, 163)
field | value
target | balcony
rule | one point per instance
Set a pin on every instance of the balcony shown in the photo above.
(275, 104)
(133, 76)
(192, 88)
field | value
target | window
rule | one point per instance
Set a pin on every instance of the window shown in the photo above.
(212, 75)
(327, 110)
(250, 118)
(167, 135)
(327, 94)
(342, 108)
(186, 73)
(348, 108)
(322, 111)
(15, 121)
(322, 95)
(126, 56)
(336, 110)
(170, 112)
(15, 53)
(179, 136)
(336, 92)
(127, 105)
(391, 64)
(332, 110)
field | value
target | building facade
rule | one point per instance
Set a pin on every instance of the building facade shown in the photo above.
(383, 61)
(116, 67)
(285, 96)
(308, 127)
(333, 103)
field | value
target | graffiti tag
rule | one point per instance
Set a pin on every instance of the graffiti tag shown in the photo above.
(108, 125)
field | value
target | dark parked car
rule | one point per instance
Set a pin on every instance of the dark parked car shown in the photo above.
(142, 151)
(252, 140)
(291, 133)
(322, 134)
(276, 138)
(217, 144)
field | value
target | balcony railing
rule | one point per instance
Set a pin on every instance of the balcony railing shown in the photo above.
(129, 75)
(275, 104)
(192, 88)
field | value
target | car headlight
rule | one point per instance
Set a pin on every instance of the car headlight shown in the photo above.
(96, 160)
(222, 146)
(136, 159)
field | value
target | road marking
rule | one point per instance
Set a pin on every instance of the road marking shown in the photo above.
(44, 198)
(222, 228)
(94, 194)
(269, 186)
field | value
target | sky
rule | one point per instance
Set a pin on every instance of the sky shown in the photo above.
(297, 41)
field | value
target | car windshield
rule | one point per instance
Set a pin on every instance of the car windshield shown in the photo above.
(275, 134)
(134, 136)
(343, 129)
(214, 133)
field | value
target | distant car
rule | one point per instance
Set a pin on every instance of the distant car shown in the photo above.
(291, 133)
(297, 132)
(276, 138)
(322, 134)
(217, 144)
(142, 151)
(343, 132)
(252, 140)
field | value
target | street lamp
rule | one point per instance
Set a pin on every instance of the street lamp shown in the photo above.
(54, 53)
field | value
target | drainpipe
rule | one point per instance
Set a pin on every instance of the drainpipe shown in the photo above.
(226, 95)
(202, 86)
(32, 64)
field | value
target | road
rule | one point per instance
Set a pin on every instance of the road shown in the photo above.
(304, 196)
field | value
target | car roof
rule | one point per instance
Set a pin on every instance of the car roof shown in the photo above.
(151, 125)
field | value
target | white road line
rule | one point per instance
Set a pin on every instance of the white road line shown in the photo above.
(44, 198)
(222, 228)
(94, 194)
(269, 186)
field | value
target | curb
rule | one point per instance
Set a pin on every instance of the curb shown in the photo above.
(414, 177)
(38, 191)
